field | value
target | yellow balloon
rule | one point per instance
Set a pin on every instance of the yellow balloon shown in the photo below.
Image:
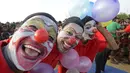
(104, 24)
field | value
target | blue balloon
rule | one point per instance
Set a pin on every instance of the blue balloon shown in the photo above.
(91, 4)
(105, 10)
(78, 8)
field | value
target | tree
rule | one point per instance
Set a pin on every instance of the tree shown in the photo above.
(129, 15)
(123, 16)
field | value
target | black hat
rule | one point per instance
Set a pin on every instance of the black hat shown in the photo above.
(87, 19)
(40, 13)
(72, 20)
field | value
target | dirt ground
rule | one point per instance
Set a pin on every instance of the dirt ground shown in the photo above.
(124, 67)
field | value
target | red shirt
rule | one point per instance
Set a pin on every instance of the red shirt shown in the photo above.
(127, 29)
(53, 58)
(92, 47)
(4, 68)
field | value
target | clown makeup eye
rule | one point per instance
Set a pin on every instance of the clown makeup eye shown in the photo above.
(88, 26)
(69, 33)
(32, 27)
(29, 28)
(51, 39)
(94, 25)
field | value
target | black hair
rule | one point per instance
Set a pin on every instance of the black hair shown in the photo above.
(87, 19)
(74, 19)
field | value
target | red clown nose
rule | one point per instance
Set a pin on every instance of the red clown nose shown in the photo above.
(72, 40)
(41, 36)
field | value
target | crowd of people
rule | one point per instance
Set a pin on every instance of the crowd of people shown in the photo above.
(120, 31)
(39, 38)
(7, 29)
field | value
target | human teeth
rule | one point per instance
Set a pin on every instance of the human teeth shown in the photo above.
(67, 45)
(33, 48)
(31, 52)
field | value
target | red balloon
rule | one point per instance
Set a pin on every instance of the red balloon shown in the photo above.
(41, 35)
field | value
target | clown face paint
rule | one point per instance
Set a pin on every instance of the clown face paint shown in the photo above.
(25, 52)
(69, 37)
(89, 30)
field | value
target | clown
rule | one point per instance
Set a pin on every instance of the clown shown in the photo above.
(67, 39)
(31, 43)
(95, 39)
(70, 35)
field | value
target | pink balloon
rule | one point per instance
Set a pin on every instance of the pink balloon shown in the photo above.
(42, 68)
(70, 59)
(84, 64)
(74, 70)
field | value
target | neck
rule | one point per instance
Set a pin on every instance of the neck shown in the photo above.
(84, 41)
(7, 57)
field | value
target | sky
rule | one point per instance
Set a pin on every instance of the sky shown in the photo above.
(17, 10)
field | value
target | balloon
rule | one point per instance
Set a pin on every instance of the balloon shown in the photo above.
(84, 64)
(42, 68)
(105, 10)
(74, 70)
(70, 59)
(78, 8)
(104, 24)
(41, 35)
(91, 4)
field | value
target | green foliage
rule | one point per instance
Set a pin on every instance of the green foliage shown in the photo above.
(123, 16)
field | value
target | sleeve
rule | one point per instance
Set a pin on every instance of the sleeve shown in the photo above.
(53, 57)
(100, 37)
(127, 29)
(102, 45)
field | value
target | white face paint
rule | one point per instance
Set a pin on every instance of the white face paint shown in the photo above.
(24, 51)
(89, 27)
(72, 32)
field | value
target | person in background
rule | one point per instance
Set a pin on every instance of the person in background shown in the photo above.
(26, 48)
(59, 25)
(112, 28)
(126, 41)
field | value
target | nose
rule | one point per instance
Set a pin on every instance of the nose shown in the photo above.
(94, 30)
(72, 40)
(41, 35)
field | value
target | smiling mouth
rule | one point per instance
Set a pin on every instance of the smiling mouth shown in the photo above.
(31, 52)
(90, 35)
(67, 46)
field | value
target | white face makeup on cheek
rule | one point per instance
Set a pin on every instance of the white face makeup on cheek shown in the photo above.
(62, 34)
(13, 47)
